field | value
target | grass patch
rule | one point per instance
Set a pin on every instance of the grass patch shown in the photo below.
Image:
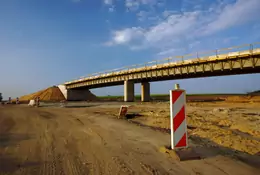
(165, 95)
(108, 96)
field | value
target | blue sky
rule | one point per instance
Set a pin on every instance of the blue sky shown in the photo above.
(48, 42)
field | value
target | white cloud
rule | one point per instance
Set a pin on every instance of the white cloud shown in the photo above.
(174, 25)
(111, 9)
(147, 16)
(148, 1)
(162, 34)
(188, 26)
(108, 2)
(235, 14)
(194, 44)
(76, 0)
(134, 4)
(142, 15)
(171, 51)
(167, 13)
(126, 35)
(229, 39)
(161, 3)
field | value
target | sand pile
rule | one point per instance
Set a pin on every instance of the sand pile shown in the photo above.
(49, 94)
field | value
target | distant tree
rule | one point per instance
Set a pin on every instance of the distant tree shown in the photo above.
(254, 92)
(1, 98)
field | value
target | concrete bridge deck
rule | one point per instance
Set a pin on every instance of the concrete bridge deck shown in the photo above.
(239, 62)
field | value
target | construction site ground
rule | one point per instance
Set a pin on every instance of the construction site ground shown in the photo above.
(87, 138)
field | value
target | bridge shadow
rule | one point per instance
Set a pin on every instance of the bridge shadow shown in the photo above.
(210, 149)
(132, 115)
(10, 139)
(80, 106)
(10, 164)
(68, 105)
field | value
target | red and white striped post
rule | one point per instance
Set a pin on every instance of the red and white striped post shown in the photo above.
(179, 137)
(37, 101)
(17, 100)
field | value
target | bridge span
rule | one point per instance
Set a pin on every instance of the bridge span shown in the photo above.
(229, 61)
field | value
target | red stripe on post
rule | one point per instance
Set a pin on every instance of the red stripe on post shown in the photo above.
(178, 119)
(176, 95)
(182, 142)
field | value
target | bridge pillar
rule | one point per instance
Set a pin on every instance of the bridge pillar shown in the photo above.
(129, 91)
(145, 91)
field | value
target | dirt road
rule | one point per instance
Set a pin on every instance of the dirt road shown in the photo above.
(53, 141)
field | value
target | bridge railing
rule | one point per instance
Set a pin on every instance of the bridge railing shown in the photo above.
(174, 60)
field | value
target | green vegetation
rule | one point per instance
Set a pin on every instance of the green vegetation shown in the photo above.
(162, 95)
(211, 94)
(108, 96)
(1, 98)
(254, 92)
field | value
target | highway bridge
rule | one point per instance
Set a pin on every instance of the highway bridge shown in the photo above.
(243, 59)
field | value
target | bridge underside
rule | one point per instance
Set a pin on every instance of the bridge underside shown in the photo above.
(176, 77)
(234, 66)
(145, 85)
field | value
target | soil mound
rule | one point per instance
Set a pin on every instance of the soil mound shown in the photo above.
(243, 99)
(49, 94)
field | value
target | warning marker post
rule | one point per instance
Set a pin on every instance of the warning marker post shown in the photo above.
(37, 101)
(178, 119)
(122, 111)
(17, 101)
(179, 134)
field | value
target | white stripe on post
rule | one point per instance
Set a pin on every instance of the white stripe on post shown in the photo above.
(171, 122)
(179, 133)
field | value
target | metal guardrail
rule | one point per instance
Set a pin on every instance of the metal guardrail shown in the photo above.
(175, 59)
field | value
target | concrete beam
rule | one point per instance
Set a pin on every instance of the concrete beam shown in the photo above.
(129, 91)
(145, 91)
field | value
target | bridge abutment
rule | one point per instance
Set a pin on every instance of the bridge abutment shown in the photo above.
(129, 91)
(145, 91)
(77, 94)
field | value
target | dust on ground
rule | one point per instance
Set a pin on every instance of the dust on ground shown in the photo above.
(87, 138)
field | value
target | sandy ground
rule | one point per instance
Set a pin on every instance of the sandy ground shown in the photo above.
(233, 125)
(89, 139)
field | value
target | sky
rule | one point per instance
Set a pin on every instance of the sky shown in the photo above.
(48, 42)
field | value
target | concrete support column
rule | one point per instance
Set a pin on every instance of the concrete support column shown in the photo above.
(145, 91)
(129, 91)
